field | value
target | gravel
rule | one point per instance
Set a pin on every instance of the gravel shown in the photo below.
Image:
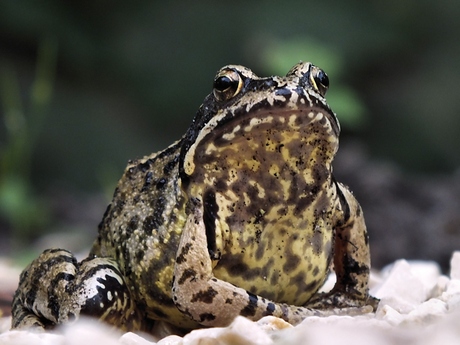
(419, 305)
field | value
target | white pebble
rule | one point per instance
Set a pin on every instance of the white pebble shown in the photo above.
(455, 266)
(241, 331)
(400, 288)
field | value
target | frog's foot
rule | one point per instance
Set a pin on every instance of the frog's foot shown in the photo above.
(55, 289)
(347, 303)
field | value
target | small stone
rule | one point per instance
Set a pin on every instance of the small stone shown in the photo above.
(26, 337)
(428, 312)
(427, 272)
(455, 266)
(241, 331)
(440, 287)
(87, 331)
(390, 315)
(131, 338)
(400, 288)
(272, 323)
(171, 340)
(452, 295)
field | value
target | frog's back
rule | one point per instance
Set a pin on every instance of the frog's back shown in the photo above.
(141, 229)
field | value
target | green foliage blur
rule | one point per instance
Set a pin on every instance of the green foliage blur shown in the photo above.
(85, 86)
(23, 123)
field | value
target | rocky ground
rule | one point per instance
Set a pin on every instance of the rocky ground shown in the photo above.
(419, 305)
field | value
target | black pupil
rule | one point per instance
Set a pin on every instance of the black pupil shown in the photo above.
(323, 78)
(222, 83)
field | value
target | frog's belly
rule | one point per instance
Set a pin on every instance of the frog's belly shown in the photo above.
(289, 270)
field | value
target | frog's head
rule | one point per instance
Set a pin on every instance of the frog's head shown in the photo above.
(258, 154)
(276, 125)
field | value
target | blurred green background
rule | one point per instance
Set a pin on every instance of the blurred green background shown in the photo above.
(85, 86)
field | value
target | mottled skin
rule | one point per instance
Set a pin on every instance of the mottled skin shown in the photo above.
(242, 216)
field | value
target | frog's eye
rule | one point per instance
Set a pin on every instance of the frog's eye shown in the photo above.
(227, 84)
(320, 81)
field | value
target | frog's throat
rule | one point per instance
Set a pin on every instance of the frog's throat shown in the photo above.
(264, 130)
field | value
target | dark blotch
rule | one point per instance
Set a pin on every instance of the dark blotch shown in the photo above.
(270, 308)
(315, 271)
(188, 273)
(181, 257)
(161, 183)
(144, 166)
(92, 305)
(292, 261)
(250, 309)
(207, 317)
(317, 242)
(204, 296)
(352, 269)
(170, 165)
(209, 218)
(132, 224)
(150, 223)
(158, 205)
(283, 92)
(147, 181)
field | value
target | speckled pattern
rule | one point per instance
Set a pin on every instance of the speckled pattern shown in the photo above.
(242, 216)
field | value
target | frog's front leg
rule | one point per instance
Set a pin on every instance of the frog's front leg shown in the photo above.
(351, 258)
(55, 289)
(214, 302)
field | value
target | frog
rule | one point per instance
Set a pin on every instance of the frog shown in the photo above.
(242, 216)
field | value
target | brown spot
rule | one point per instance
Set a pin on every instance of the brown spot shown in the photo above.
(274, 278)
(188, 273)
(204, 296)
(236, 267)
(300, 281)
(207, 317)
(260, 250)
(317, 241)
(292, 261)
(185, 249)
(282, 211)
(315, 271)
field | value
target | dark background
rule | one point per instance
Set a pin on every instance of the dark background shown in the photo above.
(85, 86)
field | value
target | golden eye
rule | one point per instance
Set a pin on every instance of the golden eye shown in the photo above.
(319, 80)
(227, 84)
